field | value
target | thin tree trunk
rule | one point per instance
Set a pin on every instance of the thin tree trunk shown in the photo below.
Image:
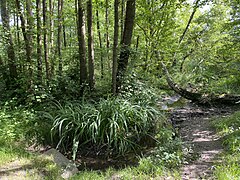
(18, 31)
(45, 40)
(30, 23)
(126, 41)
(115, 47)
(137, 44)
(90, 46)
(1, 61)
(39, 41)
(189, 21)
(122, 17)
(64, 35)
(100, 42)
(107, 31)
(82, 47)
(185, 30)
(59, 39)
(27, 39)
(51, 38)
(9, 42)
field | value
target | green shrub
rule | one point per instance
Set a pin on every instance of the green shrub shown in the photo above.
(229, 168)
(168, 152)
(17, 125)
(114, 123)
(228, 128)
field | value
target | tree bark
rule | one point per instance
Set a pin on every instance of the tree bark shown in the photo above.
(90, 46)
(126, 41)
(206, 99)
(115, 47)
(45, 40)
(51, 39)
(30, 23)
(64, 34)
(9, 42)
(59, 39)
(107, 30)
(82, 46)
(122, 17)
(100, 42)
(27, 40)
(39, 41)
(189, 21)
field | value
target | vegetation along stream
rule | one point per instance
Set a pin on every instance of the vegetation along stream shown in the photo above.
(119, 89)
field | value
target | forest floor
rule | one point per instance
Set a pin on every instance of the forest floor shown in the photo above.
(202, 145)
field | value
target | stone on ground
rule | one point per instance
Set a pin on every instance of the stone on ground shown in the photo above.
(69, 168)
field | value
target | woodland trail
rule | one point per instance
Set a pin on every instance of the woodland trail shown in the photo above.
(201, 143)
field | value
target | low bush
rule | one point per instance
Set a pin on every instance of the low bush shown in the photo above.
(17, 125)
(228, 128)
(114, 123)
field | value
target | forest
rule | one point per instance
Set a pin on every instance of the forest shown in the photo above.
(123, 89)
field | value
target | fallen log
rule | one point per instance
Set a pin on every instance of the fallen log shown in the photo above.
(200, 98)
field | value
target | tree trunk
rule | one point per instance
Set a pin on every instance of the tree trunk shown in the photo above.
(64, 34)
(126, 41)
(82, 47)
(206, 99)
(189, 21)
(18, 31)
(90, 45)
(59, 39)
(45, 40)
(107, 31)
(39, 42)
(122, 17)
(185, 30)
(30, 22)
(9, 42)
(27, 40)
(1, 61)
(51, 39)
(115, 47)
(100, 42)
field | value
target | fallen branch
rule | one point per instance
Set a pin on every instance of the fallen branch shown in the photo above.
(200, 98)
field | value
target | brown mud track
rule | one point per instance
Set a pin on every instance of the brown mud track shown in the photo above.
(201, 143)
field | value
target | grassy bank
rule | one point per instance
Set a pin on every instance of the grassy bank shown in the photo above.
(229, 129)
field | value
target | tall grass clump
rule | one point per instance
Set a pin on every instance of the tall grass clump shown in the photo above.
(115, 124)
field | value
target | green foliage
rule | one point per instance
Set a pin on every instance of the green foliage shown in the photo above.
(138, 91)
(114, 123)
(229, 168)
(17, 124)
(88, 175)
(160, 162)
(168, 152)
(228, 127)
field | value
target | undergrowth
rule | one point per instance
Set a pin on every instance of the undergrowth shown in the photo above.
(114, 123)
(228, 128)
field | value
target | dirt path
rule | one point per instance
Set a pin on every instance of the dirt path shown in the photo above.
(201, 142)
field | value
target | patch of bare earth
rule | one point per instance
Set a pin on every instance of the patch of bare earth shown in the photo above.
(201, 142)
(19, 170)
